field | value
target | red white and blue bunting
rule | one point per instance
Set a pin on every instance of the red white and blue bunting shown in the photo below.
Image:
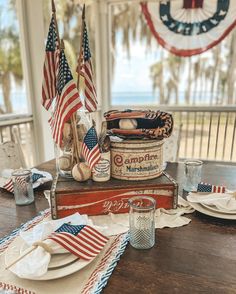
(190, 27)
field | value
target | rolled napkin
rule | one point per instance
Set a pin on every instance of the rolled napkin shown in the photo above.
(58, 236)
(38, 178)
(221, 201)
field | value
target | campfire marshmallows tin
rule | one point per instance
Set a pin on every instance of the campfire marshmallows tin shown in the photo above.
(136, 159)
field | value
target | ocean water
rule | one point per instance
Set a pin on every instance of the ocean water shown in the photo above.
(20, 105)
(19, 101)
(146, 98)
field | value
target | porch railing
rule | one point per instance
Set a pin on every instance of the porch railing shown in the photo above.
(206, 132)
(24, 123)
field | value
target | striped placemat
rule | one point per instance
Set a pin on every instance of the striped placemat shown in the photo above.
(97, 274)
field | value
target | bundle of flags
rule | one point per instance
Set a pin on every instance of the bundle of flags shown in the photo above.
(80, 240)
(58, 85)
(205, 187)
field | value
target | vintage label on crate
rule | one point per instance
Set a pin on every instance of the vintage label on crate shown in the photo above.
(104, 202)
(136, 160)
(102, 170)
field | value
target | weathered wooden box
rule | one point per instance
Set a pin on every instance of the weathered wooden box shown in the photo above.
(92, 198)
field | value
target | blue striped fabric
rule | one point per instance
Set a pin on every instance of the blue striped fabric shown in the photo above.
(106, 275)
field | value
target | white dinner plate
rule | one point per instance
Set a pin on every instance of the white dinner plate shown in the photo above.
(57, 260)
(216, 209)
(206, 211)
(13, 252)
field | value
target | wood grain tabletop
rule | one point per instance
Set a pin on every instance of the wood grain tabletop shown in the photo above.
(197, 258)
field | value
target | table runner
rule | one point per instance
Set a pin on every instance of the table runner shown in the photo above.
(91, 279)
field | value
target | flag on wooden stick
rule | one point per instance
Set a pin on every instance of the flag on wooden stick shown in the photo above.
(82, 241)
(67, 100)
(205, 187)
(85, 70)
(50, 67)
(90, 148)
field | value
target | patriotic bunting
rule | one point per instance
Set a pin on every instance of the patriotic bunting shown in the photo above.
(189, 27)
(50, 67)
(90, 148)
(67, 100)
(82, 241)
(86, 71)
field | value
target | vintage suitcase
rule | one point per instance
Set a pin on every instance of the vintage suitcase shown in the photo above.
(93, 198)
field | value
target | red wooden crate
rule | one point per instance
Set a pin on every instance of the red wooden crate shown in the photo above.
(93, 198)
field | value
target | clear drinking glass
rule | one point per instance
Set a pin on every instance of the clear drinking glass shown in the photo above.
(192, 173)
(142, 222)
(23, 189)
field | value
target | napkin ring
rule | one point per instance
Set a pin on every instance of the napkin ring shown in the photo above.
(44, 246)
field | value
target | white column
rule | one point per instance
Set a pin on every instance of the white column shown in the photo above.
(32, 40)
(102, 54)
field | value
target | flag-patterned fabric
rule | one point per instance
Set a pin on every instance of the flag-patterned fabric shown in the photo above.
(50, 66)
(90, 148)
(9, 186)
(82, 241)
(86, 71)
(204, 187)
(20, 181)
(67, 101)
(189, 27)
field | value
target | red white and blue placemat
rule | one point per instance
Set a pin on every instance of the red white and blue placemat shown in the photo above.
(190, 27)
(96, 278)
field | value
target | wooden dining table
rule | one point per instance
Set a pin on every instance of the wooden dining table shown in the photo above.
(197, 258)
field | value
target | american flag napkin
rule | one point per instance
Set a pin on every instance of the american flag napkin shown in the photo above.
(81, 240)
(205, 187)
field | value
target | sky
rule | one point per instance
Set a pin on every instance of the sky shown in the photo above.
(133, 72)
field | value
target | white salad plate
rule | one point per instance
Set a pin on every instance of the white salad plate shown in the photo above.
(13, 252)
(205, 210)
(216, 209)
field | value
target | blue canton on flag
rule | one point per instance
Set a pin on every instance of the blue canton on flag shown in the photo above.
(72, 229)
(87, 53)
(81, 240)
(67, 101)
(90, 148)
(50, 66)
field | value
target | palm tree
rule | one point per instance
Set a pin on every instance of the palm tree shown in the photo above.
(10, 65)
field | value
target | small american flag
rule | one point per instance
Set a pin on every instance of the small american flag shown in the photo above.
(50, 66)
(82, 241)
(67, 101)
(86, 71)
(90, 148)
(204, 187)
